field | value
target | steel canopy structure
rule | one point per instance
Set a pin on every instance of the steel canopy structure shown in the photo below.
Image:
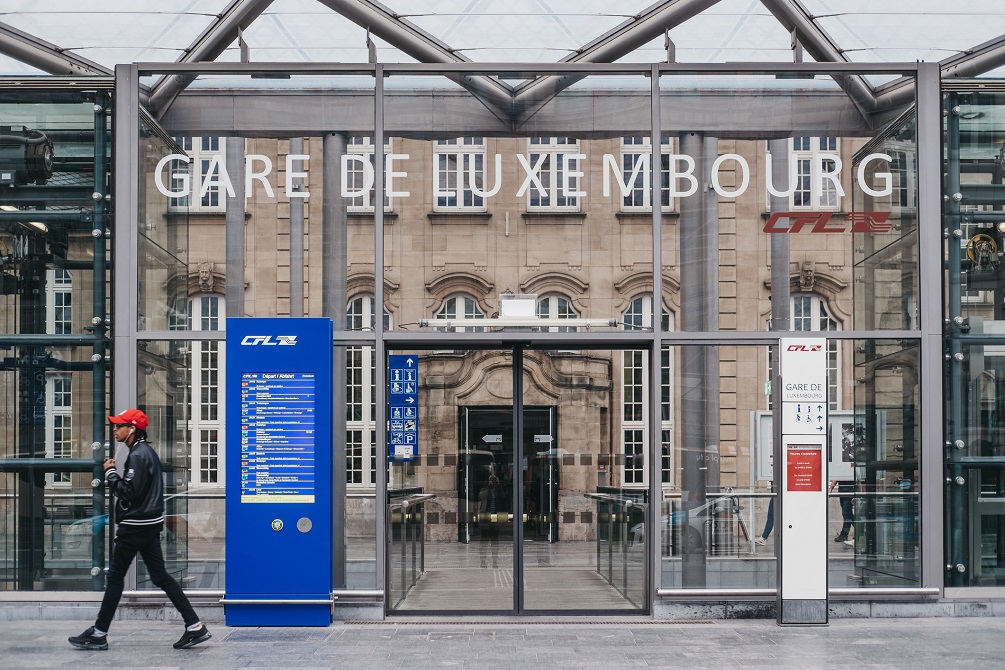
(49, 39)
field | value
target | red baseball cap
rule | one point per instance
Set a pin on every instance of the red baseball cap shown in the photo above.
(131, 417)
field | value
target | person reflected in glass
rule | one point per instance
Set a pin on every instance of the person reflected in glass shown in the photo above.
(847, 510)
(769, 523)
(491, 505)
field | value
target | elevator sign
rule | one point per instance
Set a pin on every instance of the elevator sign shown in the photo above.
(402, 407)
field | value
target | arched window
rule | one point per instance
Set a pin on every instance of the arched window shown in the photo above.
(635, 396)
(206, 390)
(460, 307)
(361, 394)
(556, 306)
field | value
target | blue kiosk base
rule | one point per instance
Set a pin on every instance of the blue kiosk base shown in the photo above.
(268, 610)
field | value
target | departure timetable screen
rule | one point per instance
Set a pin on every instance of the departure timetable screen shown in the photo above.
(278, 437)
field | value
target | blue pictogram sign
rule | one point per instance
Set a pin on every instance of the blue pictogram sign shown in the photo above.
(402, 407)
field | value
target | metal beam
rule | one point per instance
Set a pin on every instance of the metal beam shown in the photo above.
(45, 56)
(213, 41)
(421, 46)
(609, 47)
(396, 31)
(823, 49)
(635, 32)
(970, 63)
(586, 114)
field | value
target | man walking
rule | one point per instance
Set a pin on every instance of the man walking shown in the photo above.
(139, 514)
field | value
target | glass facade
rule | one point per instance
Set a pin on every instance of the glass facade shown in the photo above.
(973, 223)
(517, 253)
(55, 169)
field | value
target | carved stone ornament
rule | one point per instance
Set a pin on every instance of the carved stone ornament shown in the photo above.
(807, 276)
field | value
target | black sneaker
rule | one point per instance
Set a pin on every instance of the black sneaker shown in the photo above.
(88, 640)
(841, 537)
(190, 638)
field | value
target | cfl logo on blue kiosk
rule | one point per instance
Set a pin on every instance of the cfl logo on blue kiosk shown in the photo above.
(269, 340)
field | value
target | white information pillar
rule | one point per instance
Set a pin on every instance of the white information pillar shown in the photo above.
(801, 469)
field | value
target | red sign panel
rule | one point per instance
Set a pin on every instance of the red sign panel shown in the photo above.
(804, 469)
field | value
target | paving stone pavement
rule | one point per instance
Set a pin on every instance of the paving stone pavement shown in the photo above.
(973, 643)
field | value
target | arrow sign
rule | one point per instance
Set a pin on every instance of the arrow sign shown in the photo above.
(403, 385)
(492, 439)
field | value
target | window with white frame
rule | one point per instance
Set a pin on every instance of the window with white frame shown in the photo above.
(361, 396)
(457, 165)
(356, 175)
(58, 386)
(59, 421)
(207, 159)
(634, 150)
(557, 166)
(556, 306)
(460, 307)
(813, 191)
(808, 312)
(903, 167)
(59, 301)
(635, 397)
(206, 429)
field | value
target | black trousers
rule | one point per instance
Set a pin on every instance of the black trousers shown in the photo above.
(147, 543)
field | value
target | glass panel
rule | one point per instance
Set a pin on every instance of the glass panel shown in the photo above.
(53, 283)
(193, 537)
(585, 497)
(717, 512)
(450, 516)
(291, 250)
(546, 228)
(884, 433)
(162, 255)
(975, 341)
(718, 506)
(830, 199)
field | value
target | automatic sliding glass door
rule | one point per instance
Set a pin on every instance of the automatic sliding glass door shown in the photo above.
(538, 505)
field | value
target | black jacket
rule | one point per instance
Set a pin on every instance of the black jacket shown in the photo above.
(140, 492)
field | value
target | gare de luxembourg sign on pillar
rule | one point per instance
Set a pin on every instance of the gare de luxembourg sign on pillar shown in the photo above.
(802, 558)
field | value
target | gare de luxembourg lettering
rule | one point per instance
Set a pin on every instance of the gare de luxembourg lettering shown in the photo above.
(258, 167)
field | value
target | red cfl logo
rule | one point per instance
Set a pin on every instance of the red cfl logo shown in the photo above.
(804, 347)
(820, 222)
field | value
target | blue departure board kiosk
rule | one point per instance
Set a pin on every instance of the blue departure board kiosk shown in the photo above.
(279, 472)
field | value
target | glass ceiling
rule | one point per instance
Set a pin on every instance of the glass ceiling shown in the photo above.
(108, 32)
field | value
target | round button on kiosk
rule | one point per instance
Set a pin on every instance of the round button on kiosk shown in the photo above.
(277, 525)
(304, 525)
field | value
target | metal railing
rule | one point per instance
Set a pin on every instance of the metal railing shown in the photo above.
(406, 545)
(621, 553)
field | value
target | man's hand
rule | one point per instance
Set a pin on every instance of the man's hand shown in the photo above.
(109, 464)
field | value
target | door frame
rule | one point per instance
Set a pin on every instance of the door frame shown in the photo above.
(517, 349)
